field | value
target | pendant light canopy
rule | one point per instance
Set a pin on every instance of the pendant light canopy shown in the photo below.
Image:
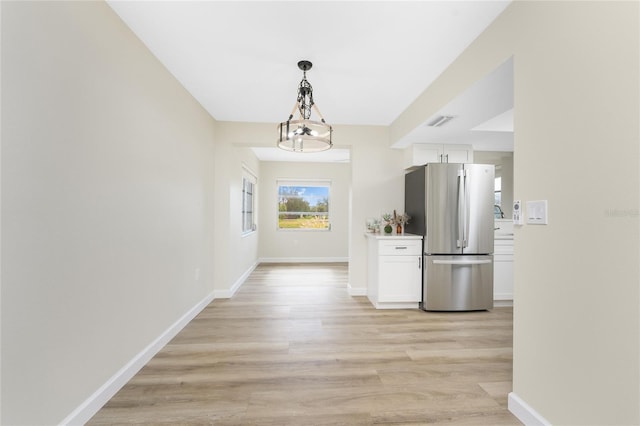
(304, 134)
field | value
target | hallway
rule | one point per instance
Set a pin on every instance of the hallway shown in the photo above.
(292, 347)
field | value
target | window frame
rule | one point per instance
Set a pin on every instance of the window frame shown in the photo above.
(248, 215)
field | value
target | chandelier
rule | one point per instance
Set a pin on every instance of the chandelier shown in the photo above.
(304, 134)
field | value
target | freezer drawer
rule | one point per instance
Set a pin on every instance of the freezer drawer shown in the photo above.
(457, 283)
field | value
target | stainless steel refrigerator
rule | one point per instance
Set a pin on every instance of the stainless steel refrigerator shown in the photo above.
(451, 205)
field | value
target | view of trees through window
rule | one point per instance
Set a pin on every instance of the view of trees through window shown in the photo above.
(303, 207)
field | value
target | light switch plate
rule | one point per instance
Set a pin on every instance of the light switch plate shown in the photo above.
(537, 212)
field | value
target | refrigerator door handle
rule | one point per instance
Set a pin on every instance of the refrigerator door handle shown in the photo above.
(467, 219)
(462, 262)
(460, 236)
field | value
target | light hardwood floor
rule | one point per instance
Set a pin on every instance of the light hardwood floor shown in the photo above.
(293, 348)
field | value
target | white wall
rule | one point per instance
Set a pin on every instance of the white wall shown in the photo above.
(1, 399)
(107, 204)
(235, 255)
(577, 142)
(300, 245)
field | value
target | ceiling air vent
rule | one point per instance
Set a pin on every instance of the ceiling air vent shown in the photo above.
(439, 120)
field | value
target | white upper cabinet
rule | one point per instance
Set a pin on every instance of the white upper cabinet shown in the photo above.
(422, 153)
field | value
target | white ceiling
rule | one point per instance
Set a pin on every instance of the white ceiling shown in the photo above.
(482, 115)
(370, 59)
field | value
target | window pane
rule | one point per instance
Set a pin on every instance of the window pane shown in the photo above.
(303, 207)
(498, 192)
(247, 205)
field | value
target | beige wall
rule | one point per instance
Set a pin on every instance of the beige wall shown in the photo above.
(296, 245)
(577, 302)
(377, 187)
(234, 254)
(107, 204)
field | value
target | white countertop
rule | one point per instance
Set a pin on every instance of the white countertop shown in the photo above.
(382, 236)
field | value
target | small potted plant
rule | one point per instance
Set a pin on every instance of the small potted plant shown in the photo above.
(388, 218)
(397, 220)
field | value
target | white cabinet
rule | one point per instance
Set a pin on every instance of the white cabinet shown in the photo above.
(503, 269)
(394, 271)
(422, 153)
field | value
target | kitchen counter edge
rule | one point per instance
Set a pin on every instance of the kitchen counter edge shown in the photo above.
(392, 236)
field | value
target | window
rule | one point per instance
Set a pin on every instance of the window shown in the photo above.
(248, 202)
(498, 192)
(497, 202)
(303, 205)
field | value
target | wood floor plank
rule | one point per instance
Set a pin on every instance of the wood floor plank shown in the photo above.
(292, 347)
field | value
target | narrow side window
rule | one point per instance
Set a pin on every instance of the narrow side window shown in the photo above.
(248, 202)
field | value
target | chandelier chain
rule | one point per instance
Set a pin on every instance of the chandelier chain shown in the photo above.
(305, 97)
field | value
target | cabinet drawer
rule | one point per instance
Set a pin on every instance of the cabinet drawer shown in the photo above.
(400, 248)
(503, 247)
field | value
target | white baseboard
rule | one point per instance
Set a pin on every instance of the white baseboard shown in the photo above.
(228, 294)
(395, 305)
(357, 291)
(304, 260)
(94, 403)
(524, 412)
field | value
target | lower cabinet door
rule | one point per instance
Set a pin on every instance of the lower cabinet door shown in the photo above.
(400, 279)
